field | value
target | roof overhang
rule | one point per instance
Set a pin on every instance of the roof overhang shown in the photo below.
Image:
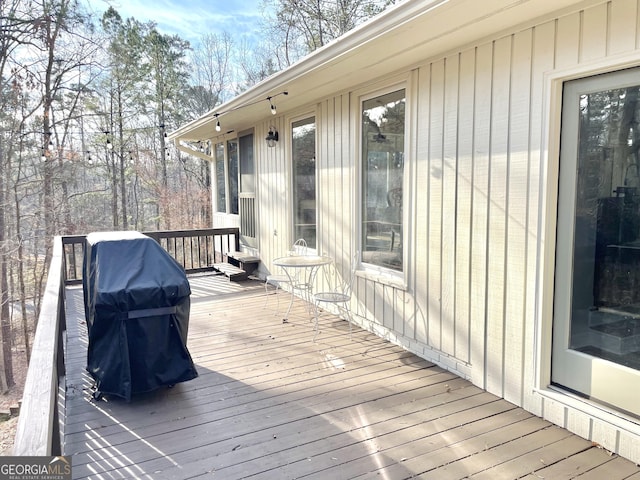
(404, 36)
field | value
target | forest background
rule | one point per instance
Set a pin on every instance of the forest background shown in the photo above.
(86, 101)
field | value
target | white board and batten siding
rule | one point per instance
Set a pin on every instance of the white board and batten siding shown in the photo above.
(479, 171)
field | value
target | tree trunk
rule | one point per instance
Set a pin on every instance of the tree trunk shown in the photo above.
(122, 165)
(6, 364)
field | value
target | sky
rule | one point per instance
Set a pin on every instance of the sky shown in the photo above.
(191, 19)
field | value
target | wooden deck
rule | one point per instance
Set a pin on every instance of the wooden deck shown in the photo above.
(271, 404)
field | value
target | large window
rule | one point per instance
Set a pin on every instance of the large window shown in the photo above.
(383, 132)
(221, 205)
(304, 179)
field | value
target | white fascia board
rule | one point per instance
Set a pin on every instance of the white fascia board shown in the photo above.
(406, 32)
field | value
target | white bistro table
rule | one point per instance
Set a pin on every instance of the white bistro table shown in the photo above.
(301, 270)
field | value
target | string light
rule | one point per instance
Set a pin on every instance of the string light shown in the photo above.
(218, 127)
(109, 144)
(272, 106)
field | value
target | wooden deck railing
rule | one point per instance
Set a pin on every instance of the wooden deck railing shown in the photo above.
(38, 431)
(196, 250)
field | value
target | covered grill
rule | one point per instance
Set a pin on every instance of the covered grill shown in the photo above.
(137, 302)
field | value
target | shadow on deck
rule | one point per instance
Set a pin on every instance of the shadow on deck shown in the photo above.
(270, 403)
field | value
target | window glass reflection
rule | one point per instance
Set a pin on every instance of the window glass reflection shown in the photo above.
(221, 205)
(605, 320)
(303, 135)
(232, 152)
(383, 132)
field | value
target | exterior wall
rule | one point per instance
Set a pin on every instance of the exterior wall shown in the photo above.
(273, 194)
(481, 177)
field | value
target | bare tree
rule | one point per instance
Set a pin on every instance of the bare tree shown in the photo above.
(295, 28)
(212, 74)
(16, 31)
(38, 56)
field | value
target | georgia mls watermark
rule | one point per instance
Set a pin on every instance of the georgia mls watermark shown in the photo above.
(35, 468)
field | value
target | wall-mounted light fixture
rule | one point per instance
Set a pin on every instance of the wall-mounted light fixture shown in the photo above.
(272, 137)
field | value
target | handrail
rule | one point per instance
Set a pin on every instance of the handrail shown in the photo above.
(38, 430)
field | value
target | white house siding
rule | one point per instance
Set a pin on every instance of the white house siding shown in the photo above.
(477, 175)
(273, 192)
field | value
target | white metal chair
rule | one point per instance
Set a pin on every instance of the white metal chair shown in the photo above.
(299, 247)
(340, 297)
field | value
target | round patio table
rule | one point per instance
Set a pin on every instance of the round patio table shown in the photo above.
(302, 271)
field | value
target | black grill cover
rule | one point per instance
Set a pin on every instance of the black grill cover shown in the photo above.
(136, 300)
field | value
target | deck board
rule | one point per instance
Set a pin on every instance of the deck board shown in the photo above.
(271, 403)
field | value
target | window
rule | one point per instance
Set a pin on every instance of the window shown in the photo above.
(221, 204)
(303, 149)
(383, 134)
(247, 191)
(247, 170)
(232, 149)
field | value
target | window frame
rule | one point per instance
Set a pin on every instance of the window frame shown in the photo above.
(545, 279)
(230, 198)
(396, 278)
(299, 118)
(220, 209)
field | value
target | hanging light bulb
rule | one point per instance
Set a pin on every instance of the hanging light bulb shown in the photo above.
(108, 144)
(218, 127)
(273, 107)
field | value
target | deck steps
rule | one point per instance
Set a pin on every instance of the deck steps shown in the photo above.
(234, 273)
(237, 265)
